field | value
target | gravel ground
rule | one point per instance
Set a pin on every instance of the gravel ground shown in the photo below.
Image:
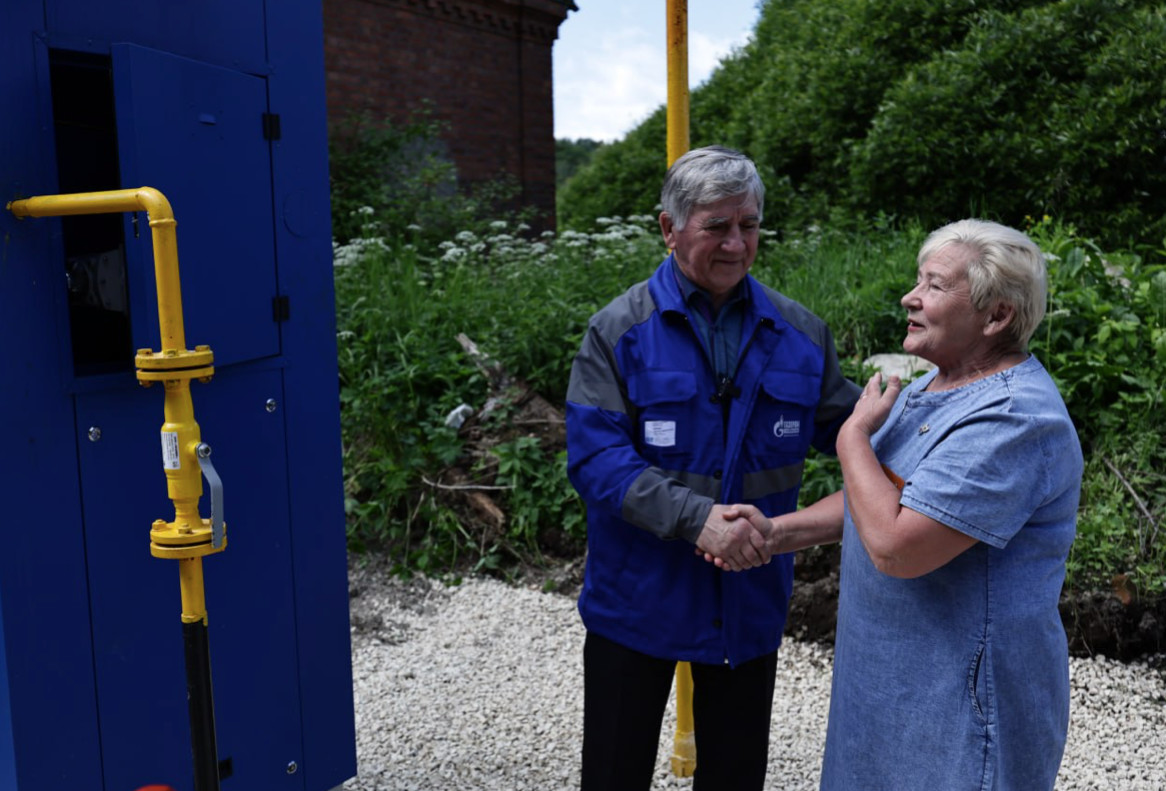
(480, 687)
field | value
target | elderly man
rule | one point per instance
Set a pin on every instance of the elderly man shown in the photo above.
(696, 388)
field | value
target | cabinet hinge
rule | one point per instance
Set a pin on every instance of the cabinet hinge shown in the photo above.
(271, 126)
(280, 308)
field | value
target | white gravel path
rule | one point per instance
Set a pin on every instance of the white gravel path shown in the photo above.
(480, 687)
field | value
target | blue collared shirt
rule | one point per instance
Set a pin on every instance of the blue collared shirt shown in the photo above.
(720, 330)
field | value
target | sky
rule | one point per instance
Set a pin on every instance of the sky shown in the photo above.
(610, 67)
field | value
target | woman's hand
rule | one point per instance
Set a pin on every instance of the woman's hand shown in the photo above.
(874, 405)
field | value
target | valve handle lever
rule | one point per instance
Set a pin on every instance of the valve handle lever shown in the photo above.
(203, 452)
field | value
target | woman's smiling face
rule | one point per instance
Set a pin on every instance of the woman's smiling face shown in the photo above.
(942, 325)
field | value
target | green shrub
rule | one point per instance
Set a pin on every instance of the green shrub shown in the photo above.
(929, 111)
(526, 303)
(621, 179)
(421, 265)
(1057, 109)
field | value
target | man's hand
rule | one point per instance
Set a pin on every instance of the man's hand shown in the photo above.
(766, 527)
(733, 540)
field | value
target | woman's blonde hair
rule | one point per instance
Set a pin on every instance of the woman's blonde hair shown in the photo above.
(1005, 266)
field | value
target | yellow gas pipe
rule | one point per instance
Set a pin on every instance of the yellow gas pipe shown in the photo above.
(188, 537)
(684, 742)
(677, 108)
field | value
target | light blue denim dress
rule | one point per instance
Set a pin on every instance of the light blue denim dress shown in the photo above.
(959, 679)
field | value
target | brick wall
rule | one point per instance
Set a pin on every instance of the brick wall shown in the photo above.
(483, 66)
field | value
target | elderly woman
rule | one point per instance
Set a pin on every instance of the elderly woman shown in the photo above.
(957, 512)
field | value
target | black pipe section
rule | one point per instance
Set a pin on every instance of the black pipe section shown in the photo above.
(202, 706)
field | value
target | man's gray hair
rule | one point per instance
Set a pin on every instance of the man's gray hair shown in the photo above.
(707, 175)
(1006, 266)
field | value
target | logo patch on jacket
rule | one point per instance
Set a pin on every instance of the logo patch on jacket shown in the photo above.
(661, 433)
(786, 428)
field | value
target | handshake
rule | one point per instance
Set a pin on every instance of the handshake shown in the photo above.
(739, 537)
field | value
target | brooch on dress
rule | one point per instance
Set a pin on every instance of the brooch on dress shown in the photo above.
(924, 429)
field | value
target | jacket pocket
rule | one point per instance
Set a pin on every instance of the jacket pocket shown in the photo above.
(666, 412)
(782, 423)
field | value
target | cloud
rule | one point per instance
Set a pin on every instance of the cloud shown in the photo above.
(606, 88)
(705, 53)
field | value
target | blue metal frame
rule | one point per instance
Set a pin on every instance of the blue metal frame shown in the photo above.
(92, 693)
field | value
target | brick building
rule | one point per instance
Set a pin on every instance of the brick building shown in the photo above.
(483, 66)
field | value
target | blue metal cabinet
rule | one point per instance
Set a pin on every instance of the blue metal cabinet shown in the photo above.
(225, 32)
(219, 105)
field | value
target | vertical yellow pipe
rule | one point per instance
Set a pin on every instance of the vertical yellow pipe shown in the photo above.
(684, 742)
(183, 482)
(677, 79)
(193, 590)
(170, 321)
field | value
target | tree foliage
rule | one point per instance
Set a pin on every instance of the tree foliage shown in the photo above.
(399, 179)
(570, 155)
(930, 110)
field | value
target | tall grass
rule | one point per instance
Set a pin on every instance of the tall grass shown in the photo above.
(525, 302)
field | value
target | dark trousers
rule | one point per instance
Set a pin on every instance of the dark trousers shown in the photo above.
(624, 697)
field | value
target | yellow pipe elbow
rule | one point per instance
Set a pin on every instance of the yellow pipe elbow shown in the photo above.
(162, 227)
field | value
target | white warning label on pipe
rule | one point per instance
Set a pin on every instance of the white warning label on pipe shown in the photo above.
(170, 459)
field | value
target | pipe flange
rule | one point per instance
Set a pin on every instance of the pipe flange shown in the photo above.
(170, 359)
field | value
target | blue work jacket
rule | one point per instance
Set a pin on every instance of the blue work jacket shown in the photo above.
(651, 449)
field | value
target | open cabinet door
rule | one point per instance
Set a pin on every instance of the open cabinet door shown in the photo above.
(196, 132)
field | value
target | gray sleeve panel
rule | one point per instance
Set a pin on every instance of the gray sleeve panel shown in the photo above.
(595, 376)
(594, 381)
(656, 501)
(665, 507)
